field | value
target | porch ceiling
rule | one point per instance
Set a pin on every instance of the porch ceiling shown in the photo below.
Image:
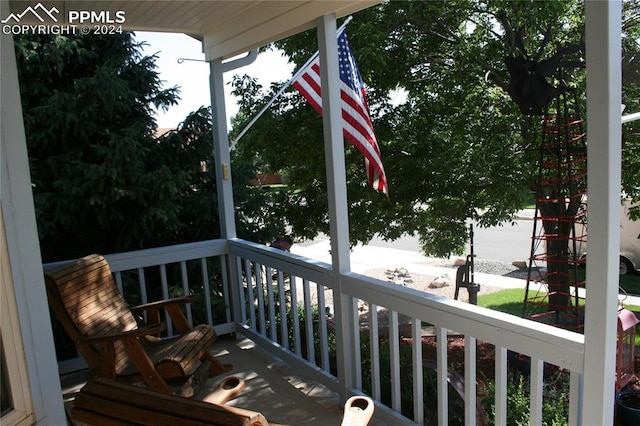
(228, 28)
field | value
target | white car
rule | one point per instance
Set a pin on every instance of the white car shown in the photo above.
(629, 243)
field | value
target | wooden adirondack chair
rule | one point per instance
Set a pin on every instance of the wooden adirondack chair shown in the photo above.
(106, 402)
(115, 343)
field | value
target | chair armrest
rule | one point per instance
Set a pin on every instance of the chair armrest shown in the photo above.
(107, 354)
(173, 308)
(141, 331)
(167, 302)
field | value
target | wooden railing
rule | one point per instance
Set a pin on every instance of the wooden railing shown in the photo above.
(321, 321)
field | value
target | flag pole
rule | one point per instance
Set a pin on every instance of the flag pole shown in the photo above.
(282, 89)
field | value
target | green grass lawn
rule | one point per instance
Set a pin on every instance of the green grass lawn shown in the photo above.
(511, 301)
(630, 283)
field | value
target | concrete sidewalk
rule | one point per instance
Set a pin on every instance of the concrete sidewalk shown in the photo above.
(367, 258)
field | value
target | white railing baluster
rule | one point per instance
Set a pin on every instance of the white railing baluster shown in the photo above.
(143, 289)
(226, 289)
(118, 276)
(501, 386)
(273, 330)
(357, 354)
(244, 306)
(143, 286)
(536, 384)
(322, 328)
(282, 302)
(575, 404)
(442, 375)
(394, 350)
(251, 301)
(206, 289)
(185, 289)
(418, 391)
(470, 380)
(165, 295)
(260, 294)
(308, 317)
(294, 314)
(374, 343)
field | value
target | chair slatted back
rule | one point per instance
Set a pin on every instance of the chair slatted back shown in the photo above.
(86, 300)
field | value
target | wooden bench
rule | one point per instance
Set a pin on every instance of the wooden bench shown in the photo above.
(115, 343)
(106, 402)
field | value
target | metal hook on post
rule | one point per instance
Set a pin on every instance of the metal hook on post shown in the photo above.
(182, 60)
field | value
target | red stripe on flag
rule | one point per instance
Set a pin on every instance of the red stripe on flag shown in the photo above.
(357, 125)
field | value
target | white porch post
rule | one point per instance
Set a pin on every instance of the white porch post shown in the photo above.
(221, 149)
(337, 193)
(603, 44)
(24, 266)
(223, 178)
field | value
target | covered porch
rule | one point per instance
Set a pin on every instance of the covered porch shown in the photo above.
(281, 393)
(270, 283)
(308, 313)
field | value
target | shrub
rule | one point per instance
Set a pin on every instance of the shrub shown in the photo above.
(555, 409)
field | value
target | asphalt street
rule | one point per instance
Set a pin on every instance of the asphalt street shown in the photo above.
(506, 243)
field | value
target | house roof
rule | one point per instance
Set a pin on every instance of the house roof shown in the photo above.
(228, 28)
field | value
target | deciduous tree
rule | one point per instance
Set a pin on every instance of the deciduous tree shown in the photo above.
(462, 146)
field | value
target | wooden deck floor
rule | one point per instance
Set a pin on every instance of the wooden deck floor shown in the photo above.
(272, 388)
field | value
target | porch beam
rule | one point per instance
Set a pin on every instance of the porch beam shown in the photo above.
(603, 49)
(337, 194)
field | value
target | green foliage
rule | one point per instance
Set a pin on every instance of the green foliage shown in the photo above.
(87, 104)
(555, 403)
(189, 151)
(631, 100)
(555, 408)
(103, 181)
(459, 147)
(456, 402)
(315, 318)
(299, 310)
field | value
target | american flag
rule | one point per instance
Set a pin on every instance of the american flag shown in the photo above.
(356, 121)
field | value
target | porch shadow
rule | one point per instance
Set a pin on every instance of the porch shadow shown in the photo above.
(281, 393)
